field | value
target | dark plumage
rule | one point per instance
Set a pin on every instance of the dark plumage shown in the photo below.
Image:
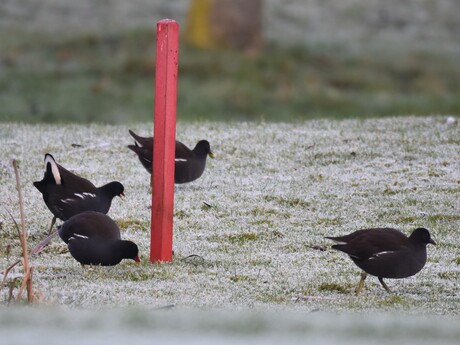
(385, 253)
(67, 194)
(93, 238)
(189, 164)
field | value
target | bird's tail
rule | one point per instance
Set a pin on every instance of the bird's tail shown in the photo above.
(52, 168)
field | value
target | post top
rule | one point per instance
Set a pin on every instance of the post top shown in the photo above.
(166, 21)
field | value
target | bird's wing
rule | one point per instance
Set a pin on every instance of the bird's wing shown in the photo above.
(379, 242)
(74, 183)
(182, 151)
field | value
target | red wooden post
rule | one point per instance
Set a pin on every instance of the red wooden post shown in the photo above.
(164, 140)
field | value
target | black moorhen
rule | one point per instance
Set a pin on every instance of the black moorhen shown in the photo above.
(93, 238)
(66, 194)
(189, 164)
(385, 252)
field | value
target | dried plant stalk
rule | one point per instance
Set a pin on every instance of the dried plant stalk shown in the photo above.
(36, 250)
(6, 271)
(23, 238)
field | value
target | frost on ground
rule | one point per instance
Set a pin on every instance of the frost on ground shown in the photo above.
(275, 191)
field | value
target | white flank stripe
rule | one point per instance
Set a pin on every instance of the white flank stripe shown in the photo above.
(91, 195)
(81, 236)
(180, 160)
(380, 254)
(81, 196)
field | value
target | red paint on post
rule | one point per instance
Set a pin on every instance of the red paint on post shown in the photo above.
(164, 140)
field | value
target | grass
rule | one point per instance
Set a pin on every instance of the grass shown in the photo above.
(109, 78)
(332, 288)
(250, 232)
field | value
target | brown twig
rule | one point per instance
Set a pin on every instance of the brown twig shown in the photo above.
(27, 282)
(35, 250)
(23, 238)
(14, 220)
(11, 289)
(6, 271)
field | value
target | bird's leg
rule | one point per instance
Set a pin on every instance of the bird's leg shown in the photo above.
(52, 223)
(385, 286)
(361, 283)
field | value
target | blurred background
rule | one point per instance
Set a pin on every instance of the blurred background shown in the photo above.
(93, 61)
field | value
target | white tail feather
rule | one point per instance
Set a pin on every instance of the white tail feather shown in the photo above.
(54, 168)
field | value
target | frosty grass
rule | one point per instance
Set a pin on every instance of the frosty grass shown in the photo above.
(275, 190)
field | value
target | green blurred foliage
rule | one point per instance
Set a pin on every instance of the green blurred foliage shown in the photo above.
(110, 79)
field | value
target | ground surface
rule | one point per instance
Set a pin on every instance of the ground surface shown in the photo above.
(275, 191)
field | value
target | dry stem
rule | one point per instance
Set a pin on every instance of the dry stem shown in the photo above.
(23, 238)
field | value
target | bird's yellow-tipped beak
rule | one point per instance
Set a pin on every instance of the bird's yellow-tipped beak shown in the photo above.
(211, 155)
